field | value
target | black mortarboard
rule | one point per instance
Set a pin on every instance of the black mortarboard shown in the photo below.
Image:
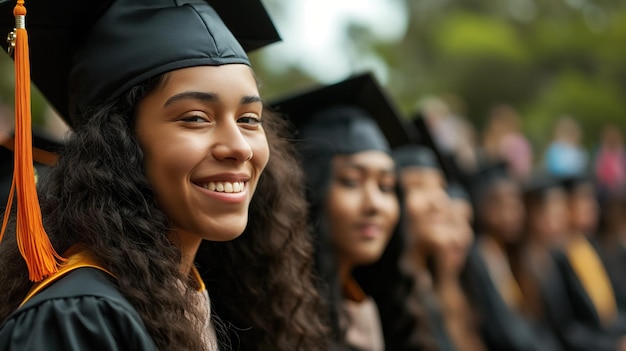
(45, 149)
(86, 52)
(573, 182)
(540, 182)
(346, 117)
(456, 191)
(421, 150)
(487, 174)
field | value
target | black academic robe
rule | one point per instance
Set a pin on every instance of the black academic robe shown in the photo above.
(560, 309)
(614, 259)
(502, 328)
(582, 306)
(437, 323)
(83, 310)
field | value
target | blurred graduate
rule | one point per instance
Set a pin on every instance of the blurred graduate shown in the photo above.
(437, 223)
(345, 135)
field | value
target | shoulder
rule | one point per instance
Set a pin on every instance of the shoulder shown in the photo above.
(82, 310)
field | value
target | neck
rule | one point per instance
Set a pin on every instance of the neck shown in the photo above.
(188, 245)
(345, 270)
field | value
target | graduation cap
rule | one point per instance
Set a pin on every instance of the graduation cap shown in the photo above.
(572, 183)
(487, 174)
(351, 116)
(421, 150)
(45, 149)
(541, 182)
(86, 52)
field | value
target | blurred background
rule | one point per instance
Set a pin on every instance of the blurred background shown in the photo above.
(542, 60)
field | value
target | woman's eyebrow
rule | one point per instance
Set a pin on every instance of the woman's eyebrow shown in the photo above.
(192, 95)
(364, 168)
(250, 99)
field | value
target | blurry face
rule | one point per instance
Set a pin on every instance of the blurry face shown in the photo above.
(584, 209)
(362, 206)
(503, 211)
(204, 149)
(426, 203)
(458, 239)
(549, 218)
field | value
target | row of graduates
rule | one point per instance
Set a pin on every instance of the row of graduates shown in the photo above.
(477, 261)
(138, 202)
(394, 221)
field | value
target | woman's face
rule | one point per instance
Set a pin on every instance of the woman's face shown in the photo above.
(458, 238)
(549, 220)
(426, 203)
(204, 148)
(584, 210)
(362, 206)
(502, 211)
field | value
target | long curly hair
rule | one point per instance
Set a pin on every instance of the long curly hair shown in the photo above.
(99, 196)
(267, 298)
(403, 319)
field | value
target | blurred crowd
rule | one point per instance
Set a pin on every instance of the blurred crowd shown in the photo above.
(542, 266)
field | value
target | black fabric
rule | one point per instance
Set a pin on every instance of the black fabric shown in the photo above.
(583, 308)
(457, 191)
(614, 259)
(437, 322)
(343, 130)
(575, 334)
(92, 51)
(354, 101)
(502, 328)
(415, 156)
(81, 311)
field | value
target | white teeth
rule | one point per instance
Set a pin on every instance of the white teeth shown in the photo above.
(228, 187)
(225, 187)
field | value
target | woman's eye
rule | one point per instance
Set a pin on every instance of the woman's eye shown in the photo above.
(194, 119)
(348, 182)
(387, 187)
(251, 120)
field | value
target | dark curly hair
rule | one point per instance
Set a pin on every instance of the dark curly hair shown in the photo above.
(403, 319)
(99, 196)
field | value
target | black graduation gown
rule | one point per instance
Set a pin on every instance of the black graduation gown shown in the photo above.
(501, 327)
(614, 259)
(437, 323)
(560, 309)
(83, 310)
(583, 308)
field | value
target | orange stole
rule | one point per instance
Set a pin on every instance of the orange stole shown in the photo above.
(593, 277)
(77, 260)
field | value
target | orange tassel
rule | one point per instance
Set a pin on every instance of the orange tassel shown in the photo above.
(33, 242)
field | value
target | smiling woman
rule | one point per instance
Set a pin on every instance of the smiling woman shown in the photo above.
(165, 194)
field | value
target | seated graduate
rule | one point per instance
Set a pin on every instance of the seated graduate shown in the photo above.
(586, 279)
(171, 201)
(344, 136)
(460, 317)
(548, 302)
(491, 272)
(610, 242)
(437, 241)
